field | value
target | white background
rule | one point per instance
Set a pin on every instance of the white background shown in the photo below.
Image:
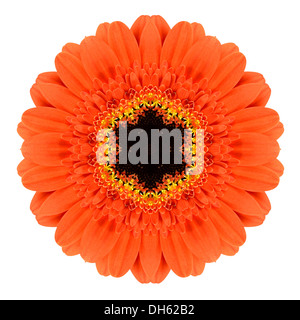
(32, 266)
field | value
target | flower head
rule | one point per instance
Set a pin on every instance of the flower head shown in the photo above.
(150, 218)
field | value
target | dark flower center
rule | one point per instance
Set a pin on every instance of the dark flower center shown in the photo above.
(149, 174)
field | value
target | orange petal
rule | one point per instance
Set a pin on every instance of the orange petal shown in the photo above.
(202, 59)
(198, 266)
(58, 202)
(123, 255)
(241, 201)
(228, 225)
(138, 26)
(262, 199)
(49, 77)
(138, 272)
(150, 44)
(98, 239)
(182, 205)
(241, 97)
(198, 31)
(162, 26)
(102, 32)
(255, 119)
(254, 149)
(228, 73)
(59, 96)
(38, 98)
(177, 43)
(45, 120)
(24, 132)
(259, 178)
(72, 73)
(72, 48)
(251, 221)
(72, 225)
(72, 250)
(49, 221)
(102, 266)
(252, 77)
(263, 98)
(202, 238)
(150, 253)
(276, 166)
(38, 199)
(176, 253)
(162, 272)
(228, 249)
(24, 166)
(276, 132)
(98, 59)
(228, 49)
(46, 149)
(46, 178)
(124, 44)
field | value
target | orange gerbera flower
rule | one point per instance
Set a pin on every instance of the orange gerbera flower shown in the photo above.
(150, 219)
